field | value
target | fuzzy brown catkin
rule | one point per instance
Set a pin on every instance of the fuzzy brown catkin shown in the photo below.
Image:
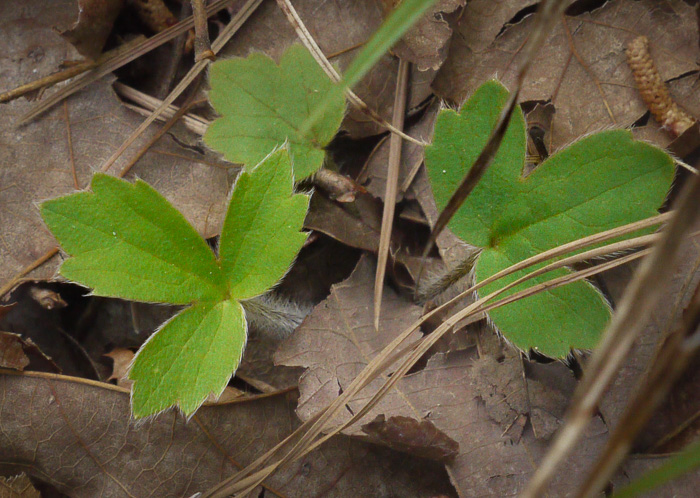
(653, 89)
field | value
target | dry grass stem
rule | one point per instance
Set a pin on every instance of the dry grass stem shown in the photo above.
(225, 35)
(147, 104)
(677, 349)
(120, 59)
(392, 183)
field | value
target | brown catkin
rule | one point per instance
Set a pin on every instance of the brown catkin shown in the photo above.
(653, 89)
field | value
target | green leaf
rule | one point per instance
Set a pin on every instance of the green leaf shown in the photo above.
(128, 241)
(263, 105)
(262, 229)
(193, 355)
(601, 182)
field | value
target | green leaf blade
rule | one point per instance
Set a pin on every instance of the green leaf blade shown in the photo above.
(193, 355)
(458, 140)
(596, 184)
(127, 241)
(262, 229)
(551, 322)
(263, 105)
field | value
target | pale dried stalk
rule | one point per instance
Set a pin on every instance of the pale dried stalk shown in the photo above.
(653, 88)
(305, 434)
(230, 29)
(309, 42)
(194, 123)
(639, 299)
(677, 349)
(392, 184)
(202, 46)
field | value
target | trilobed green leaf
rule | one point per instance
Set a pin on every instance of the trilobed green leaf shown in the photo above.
(127, 241)
(262, 230)
(192, 356)
(601, 182)
(262, 105)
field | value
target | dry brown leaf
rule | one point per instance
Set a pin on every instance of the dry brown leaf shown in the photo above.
(18, 486)
(481, 403)
(337, 27)
(409, 435)
(18, 353)
(586, 76)
(11, 352)
(426, 43)
(90, 31)
(79, 438)
(121, 358)
(39, 158)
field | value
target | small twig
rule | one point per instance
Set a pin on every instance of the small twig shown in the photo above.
(653, 89)
(322, 60)
(202, 46)
(340, 187)
(47, 81)
(392, 182)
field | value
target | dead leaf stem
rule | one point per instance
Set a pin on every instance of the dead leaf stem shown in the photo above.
(392, 183)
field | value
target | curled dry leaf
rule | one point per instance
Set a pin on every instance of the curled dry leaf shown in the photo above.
(79, 438)
(59, 152)
(20, 353)
(582, 68)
